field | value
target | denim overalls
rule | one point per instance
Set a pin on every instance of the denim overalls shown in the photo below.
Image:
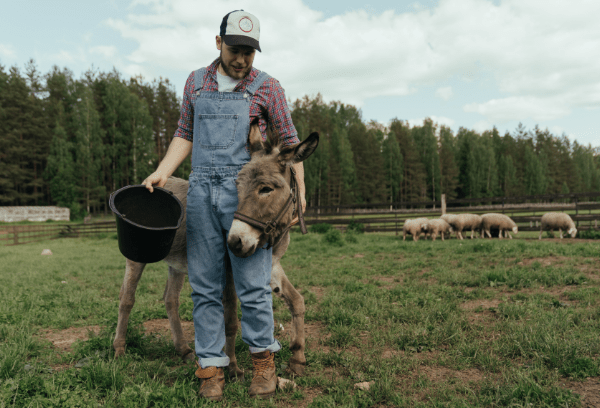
(221, 126)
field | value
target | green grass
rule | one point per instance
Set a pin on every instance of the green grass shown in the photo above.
(482, 323)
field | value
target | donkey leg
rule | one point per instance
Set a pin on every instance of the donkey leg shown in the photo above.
(295, 302)
(231, 323)
(133, 273)
(171, 298)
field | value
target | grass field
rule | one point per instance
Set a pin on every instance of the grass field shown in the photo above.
(482, 323)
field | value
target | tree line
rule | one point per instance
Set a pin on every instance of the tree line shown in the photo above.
(368, 163)
(70, 142)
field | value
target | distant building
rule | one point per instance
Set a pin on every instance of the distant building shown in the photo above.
(14, 214)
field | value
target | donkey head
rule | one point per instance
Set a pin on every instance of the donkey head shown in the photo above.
(264, 190)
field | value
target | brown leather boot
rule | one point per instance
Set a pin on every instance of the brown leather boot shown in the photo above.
(264, 378)
(212, 382)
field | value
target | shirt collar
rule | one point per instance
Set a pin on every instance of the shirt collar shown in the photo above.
(241, 86)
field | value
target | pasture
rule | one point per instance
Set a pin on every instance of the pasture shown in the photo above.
(481, 323)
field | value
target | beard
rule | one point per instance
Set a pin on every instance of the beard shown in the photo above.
(232, 72)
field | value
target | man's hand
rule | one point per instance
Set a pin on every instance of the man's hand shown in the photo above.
(157, 178)
(178, 151)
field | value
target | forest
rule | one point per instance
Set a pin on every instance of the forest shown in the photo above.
(70, 142)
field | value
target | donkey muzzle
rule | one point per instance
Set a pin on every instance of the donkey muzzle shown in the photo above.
(243, 239)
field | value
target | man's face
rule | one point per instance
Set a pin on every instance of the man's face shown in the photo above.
(236, 60)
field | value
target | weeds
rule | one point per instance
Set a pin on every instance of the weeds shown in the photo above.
(453, 324)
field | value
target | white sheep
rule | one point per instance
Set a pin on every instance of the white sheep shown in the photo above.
(460, 222)
(413, 227)
(435, 227)
(560, 221)
(497, 221)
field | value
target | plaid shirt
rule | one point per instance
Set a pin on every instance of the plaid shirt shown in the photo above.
(268, 104)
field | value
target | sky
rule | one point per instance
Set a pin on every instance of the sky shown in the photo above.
(464, 63)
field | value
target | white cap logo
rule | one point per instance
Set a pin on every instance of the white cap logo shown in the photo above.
(246, 25)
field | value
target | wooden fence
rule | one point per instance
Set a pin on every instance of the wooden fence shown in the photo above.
(391, 217)
(25, 234)
(383, 217)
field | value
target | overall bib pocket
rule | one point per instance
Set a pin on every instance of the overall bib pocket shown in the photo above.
(217, 131)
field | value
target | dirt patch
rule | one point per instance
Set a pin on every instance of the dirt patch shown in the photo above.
(318, 291)
(439, 374)
(358, 256)
(483, 303)
(546, 261)
(64, 339)
(161, 328)
(309, 395)
(385, 282)
(390, 353)
(384, 279)
(589, 390)
(315, 336)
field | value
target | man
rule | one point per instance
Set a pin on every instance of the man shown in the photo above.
(219, 103)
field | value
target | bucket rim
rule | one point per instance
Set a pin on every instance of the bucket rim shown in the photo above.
(111, 203)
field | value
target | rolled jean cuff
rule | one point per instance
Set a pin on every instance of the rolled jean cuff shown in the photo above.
(214, 362)
(274, 348)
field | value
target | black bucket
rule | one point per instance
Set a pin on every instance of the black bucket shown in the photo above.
(146, 222)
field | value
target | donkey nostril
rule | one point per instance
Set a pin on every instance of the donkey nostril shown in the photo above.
(276, 290)
(235, 242)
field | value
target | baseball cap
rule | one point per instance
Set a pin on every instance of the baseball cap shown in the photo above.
(240, 28)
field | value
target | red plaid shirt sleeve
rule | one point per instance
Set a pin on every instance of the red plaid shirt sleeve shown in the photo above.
(268, 105)
(185, 126)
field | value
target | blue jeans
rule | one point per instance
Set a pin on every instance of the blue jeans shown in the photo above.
(211, 202)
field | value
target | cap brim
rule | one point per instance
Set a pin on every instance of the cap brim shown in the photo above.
(241, 40)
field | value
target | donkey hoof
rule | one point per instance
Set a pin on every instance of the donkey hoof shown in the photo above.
(297, 368)
(235, 374)
(188, 355)
(119, 352)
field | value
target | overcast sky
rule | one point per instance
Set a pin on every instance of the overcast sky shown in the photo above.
(470, 63)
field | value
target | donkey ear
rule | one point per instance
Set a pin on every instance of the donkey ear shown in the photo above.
(255, 140)
(299, 152)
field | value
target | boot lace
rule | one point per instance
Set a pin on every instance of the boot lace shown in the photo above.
(262, 365)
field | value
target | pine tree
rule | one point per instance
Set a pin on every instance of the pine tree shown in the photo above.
(60, 171)
(16, 170)
(36, 134)
(89, 149)
(393, 166)
(448, 168)
(427, 146)
(414, 178)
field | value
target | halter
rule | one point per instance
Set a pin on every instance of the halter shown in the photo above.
(270, 227)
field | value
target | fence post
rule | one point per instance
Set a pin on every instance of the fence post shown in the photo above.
(443, 204)
(577, 209)
(16, 235)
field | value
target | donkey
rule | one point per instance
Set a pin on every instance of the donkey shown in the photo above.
(263, 191)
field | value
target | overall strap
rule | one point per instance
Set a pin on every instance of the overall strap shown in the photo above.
(199, 79)
(257, 83)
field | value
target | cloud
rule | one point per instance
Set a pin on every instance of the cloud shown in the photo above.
(537, 52)
(445, 93)
(107, 51)
(7, 51)
(520, 108)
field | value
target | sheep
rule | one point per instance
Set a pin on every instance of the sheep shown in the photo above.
(435, 227)
(413, 227)
(500, 221)
(460, 222)
(562, 221)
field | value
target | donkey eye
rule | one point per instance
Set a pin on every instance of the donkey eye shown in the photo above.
(265, 190)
